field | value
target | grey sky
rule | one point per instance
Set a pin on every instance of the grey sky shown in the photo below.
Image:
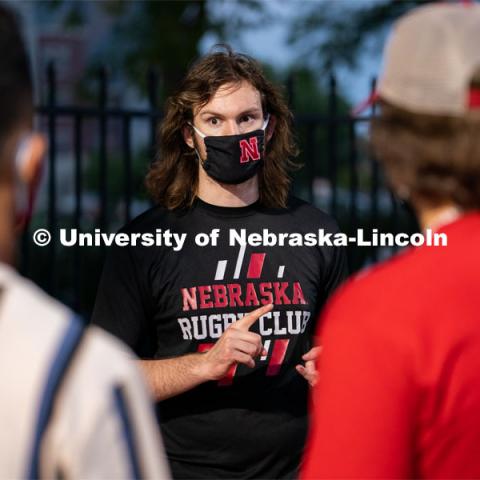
(269, 44)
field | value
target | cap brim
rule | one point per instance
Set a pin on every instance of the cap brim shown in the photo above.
(367, 103)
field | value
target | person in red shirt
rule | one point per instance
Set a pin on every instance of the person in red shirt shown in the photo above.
(398, 394)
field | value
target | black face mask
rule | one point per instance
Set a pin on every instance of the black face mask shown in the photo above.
(234, 159)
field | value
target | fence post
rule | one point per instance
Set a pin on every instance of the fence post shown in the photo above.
(310, 155)
(127, 157)
(77, 273)
(374, 181)
(152, 102)
(353, 161)
(291, 90)
(52, 187)
(332, 138)
(102, 105)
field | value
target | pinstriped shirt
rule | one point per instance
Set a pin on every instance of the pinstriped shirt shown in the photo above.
(73, 404)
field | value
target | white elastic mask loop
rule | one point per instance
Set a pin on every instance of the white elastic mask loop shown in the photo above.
(197, 130)
(265, 123)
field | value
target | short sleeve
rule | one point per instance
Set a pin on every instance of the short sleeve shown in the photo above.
(123, 302)
(337, 272)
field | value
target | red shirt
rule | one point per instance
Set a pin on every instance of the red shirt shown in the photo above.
(399, 388)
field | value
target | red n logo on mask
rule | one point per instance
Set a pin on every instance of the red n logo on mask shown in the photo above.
(249, 150)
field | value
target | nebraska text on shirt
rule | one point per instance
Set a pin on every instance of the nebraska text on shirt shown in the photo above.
(238, 295)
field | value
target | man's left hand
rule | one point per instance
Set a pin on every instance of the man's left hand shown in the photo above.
(309, 371)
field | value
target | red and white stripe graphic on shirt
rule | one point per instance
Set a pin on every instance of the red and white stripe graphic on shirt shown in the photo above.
(228, 378)
(280, 346)
(255, 266)
(274, 365)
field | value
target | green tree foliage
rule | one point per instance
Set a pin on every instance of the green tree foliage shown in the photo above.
(331, 33)
(162, 34)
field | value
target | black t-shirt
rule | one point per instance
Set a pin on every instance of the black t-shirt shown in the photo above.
(165, 303)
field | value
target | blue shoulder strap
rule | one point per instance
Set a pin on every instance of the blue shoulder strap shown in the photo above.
(58, 369)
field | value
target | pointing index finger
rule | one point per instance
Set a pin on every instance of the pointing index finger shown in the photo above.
(248, 320)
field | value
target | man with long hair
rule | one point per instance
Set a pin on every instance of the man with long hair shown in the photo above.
(224, 325)
(64, 412)
(399, 393)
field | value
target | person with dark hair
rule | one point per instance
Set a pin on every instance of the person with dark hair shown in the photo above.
(64, 411)
(224, 328)
(399, 390)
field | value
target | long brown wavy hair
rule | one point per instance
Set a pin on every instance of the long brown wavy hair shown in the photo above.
(173, 178)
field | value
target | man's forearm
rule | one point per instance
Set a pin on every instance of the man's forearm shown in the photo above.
(173, 376)
(237, 344)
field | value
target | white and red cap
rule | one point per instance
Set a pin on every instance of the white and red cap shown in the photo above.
(429, 60)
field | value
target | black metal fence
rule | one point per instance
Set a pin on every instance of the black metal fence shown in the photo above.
(94, 150)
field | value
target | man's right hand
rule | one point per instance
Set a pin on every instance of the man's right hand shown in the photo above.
(173, 376)
(236, 345)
